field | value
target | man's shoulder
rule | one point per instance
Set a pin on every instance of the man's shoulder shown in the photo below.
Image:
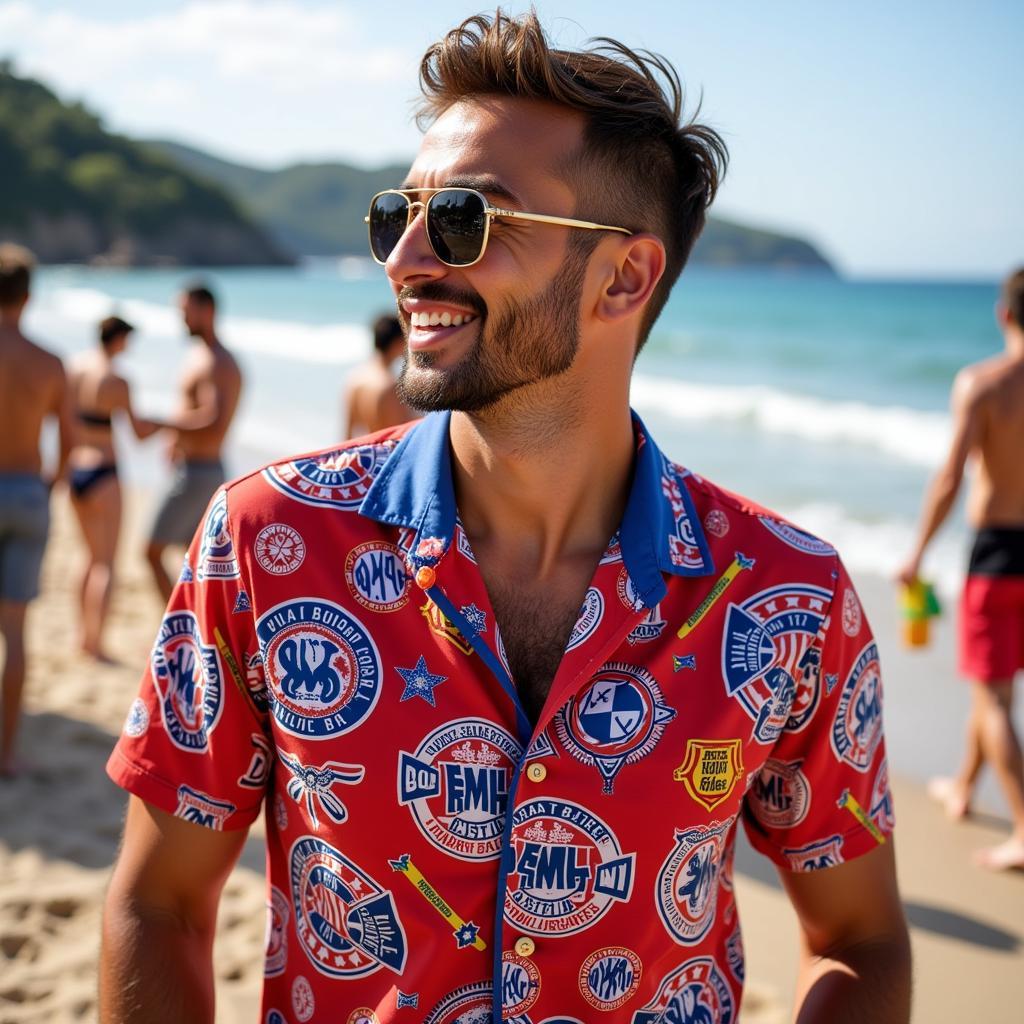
(39, 357)
(733, 520)
(336, 477)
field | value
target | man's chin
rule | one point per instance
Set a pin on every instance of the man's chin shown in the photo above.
(428, 389)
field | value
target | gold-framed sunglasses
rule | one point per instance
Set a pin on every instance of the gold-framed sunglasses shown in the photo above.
(457, 222)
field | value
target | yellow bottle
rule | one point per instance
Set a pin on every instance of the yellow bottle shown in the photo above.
(919, 605)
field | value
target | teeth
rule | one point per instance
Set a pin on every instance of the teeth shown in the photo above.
(445, 319)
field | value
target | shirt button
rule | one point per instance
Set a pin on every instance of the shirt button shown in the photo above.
(525, 946)
(425, 577)
(536, 773)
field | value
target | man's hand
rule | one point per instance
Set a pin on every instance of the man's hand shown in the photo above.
(855, 963)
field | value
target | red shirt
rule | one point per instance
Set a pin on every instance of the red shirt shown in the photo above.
(431, 855)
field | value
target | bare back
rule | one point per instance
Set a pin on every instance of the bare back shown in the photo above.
(371, 402)
(212, 380)
(997, 396)
(32, 387)
(95, 390)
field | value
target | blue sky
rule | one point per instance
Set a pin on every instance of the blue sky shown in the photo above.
(888, 133)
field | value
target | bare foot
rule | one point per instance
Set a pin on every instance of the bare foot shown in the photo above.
(951, 796)
(1003, 857)
(99, 655)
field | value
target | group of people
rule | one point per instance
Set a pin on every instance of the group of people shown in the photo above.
(83, 400)
(511, 677)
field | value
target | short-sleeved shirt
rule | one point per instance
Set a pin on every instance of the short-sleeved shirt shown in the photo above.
(432, 854)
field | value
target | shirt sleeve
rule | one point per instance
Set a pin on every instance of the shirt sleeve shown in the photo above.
(823, 795)
(195, 742)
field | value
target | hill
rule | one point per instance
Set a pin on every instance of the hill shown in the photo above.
(317, 210)
(73, 192)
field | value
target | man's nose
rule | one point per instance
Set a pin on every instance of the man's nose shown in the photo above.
(412, 259)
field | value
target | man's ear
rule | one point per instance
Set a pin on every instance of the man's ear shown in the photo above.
(634, 269)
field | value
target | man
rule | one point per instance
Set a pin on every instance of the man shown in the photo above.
(32, 389)
(210, 389)
(502, 742)
(370, 401)
(988, 425)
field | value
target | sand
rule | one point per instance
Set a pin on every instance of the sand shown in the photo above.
(59, 828)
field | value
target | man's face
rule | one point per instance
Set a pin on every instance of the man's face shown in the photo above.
(194, 315)
(522, 299)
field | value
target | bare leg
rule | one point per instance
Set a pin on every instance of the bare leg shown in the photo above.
(954, 794)
(154, 555)
(12, 627)
(1002, 751)
(99, 514)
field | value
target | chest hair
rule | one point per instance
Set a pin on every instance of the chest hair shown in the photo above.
(534, 629)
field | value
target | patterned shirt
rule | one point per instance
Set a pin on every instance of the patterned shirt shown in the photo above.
(432, 854)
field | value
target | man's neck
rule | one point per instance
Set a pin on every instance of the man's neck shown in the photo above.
(1014, 341)
(10, 320)
(549, 481)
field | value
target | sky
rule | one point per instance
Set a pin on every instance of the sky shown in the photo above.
(886, 133)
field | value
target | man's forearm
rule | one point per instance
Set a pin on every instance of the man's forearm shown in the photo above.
(868, 982)
(154, 968)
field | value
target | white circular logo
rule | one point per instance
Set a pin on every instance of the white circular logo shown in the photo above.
(716, 522)
(279, 549)
(851, 613)
(302, 999)
(137, 721)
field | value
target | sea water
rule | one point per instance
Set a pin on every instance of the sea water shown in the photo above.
(822, 398)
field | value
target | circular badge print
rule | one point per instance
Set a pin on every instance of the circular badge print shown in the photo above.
(276, 940)
(216, 549)
(568, 869)
(695, 993)
(852, 617)
(338, 479)
(520, 984)
(303, 1002)
(137, 721)
(589, 619)
(470, 1004)
(456, 786)
(279, 549)
(186, 673)
(322, 668)
(609, 977)
(716, 522)
(362, 1015)
(346, 923)
(616, 719)
(688, 882)
(376, 575)
(857, 729)
(780, 794)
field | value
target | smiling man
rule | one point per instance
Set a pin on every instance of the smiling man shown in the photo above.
(509, 678)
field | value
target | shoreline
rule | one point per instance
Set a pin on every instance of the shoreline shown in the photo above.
(61, 825)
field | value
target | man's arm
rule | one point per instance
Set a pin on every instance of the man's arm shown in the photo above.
(141, 426)
(160, 917)
(855, 960)
(942, 490)
(61, 410)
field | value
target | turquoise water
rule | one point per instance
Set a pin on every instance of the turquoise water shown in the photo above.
(823, 398)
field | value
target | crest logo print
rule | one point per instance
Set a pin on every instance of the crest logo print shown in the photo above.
(780, 795)
(216, 549)
(857, 729)
(711, 770)
(616, 719)
(376, 575)
(279, 549)
(687, 886)
(695, 993)
(337, 479)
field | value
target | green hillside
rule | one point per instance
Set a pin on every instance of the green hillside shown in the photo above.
(73, 192)
(318, 209)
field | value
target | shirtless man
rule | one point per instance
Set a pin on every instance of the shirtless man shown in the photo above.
(210, 389)
(32, 388)
(370, 401)
(988, 424)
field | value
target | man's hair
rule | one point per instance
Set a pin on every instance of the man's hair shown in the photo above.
(638, 168)
(16, 266)
(386, 329)
(1012, 296)
(200, 292)
(114, 327)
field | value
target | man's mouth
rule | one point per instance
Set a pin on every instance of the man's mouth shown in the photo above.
(431, 323)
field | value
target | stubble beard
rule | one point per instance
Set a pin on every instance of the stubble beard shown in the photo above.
(532, 341)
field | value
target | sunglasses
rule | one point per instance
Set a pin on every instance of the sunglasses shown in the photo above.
(457, 222)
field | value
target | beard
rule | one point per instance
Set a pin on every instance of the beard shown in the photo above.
(530, 342)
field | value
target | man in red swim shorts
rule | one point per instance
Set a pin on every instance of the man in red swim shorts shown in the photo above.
(988, 411)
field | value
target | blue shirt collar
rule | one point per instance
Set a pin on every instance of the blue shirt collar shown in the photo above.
(660, 529)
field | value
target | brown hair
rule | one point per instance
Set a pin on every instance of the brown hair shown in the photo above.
(1012, 296)
(16, 266)
(638, 168)
(386, 330)
(114, 327)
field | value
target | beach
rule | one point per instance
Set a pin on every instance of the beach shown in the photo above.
(61, 822)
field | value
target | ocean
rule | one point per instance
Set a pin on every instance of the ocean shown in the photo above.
(822, 398)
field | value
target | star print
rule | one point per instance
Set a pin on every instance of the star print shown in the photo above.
(475, 617)
(420, 682)
(466, 935)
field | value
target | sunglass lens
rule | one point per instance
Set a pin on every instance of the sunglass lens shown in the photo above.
(389, 216)
(456, 226)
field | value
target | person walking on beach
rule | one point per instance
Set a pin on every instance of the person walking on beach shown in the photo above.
(210, 390)
(97, 393)
(33, 389)
(370, 402)
(508, 677)
(988, 427)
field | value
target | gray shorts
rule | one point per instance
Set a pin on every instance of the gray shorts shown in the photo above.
(24, 522)
(183, 505)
